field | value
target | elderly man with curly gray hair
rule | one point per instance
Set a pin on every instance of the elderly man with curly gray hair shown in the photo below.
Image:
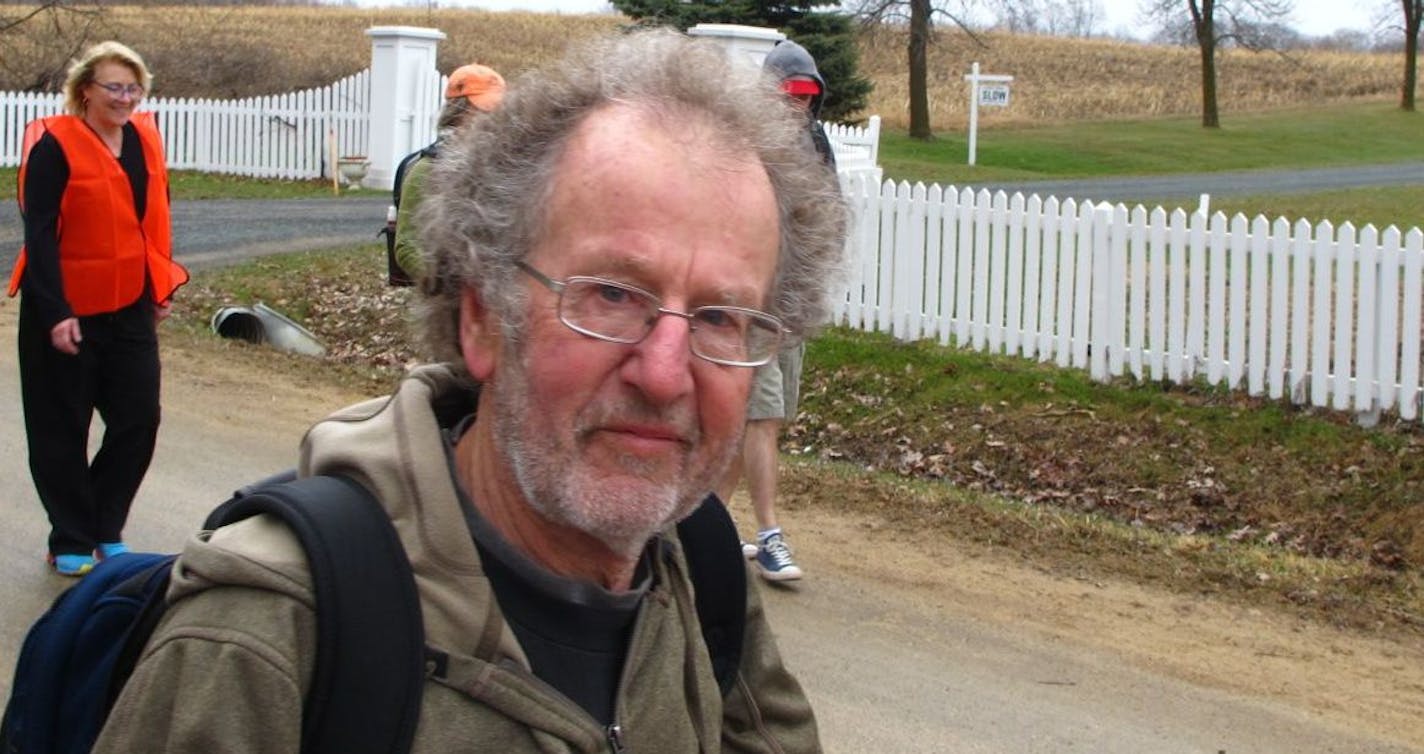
(616, 248)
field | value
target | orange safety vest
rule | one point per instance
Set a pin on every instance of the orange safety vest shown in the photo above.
(105, 251)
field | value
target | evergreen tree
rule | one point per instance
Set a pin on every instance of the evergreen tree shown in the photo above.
(828, 36)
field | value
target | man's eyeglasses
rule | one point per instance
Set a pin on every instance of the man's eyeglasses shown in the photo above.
(620, 313)
(133, 91)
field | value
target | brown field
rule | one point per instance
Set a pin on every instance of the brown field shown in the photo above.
(217, 51)
(1058, 79)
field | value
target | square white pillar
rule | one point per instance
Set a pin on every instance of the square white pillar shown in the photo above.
(402, 58)
(746, 45)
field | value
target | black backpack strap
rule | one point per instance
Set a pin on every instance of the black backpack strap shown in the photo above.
(395, 274)
(369, 672)
(719, 577)
(429, 150)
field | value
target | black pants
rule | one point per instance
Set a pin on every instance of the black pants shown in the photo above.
(116, 373)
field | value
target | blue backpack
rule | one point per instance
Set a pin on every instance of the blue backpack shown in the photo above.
(370, 664)
(369, 671)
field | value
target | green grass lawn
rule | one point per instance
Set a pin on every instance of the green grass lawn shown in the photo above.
(1401, 206)
(1340, 135)
(189, 184)
(1337, 137)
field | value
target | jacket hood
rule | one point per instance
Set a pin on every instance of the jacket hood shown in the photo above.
(789, 59)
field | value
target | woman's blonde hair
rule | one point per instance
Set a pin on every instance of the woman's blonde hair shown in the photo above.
(81, 72)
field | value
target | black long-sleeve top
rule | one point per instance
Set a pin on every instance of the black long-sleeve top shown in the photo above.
(46, 175)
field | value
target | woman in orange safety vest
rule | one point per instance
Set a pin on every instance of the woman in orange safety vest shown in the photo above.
(97, 273)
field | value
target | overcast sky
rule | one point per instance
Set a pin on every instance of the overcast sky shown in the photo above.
(1311, 17)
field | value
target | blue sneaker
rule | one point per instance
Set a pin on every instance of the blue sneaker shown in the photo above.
(110, 549)
(71, 565)
(773, 560)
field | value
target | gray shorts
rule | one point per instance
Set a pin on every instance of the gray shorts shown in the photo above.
(776, 386)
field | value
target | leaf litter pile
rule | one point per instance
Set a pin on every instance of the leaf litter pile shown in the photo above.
(1170, 472)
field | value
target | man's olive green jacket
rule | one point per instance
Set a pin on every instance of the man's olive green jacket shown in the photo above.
(228, 666)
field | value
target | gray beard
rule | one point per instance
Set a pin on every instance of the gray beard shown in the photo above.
(562, 490)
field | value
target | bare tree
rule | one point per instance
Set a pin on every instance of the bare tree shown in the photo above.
(1343, 40)
(1413, 12)
(1213, 24)
(1078, 18)
(38, 42)
(1016, 16)
(1060, 18)
(919, 15)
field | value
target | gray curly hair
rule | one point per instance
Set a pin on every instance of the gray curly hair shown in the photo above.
(484, 206)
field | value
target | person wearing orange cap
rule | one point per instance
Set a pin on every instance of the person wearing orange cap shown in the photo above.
(471, 89)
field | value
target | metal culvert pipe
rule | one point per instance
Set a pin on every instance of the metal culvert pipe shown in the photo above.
(262, 324)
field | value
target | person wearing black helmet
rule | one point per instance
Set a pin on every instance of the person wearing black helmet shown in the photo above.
(776, 386)
(798, 78)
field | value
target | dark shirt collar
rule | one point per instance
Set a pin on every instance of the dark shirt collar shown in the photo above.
(550, 584)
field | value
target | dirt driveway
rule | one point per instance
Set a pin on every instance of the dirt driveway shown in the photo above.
(906, 644)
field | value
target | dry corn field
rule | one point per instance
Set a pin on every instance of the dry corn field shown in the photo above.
(1058, 79)
(218, 51)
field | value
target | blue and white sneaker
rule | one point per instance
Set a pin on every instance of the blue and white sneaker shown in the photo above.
(108, 550)
(70, 564)
(749, 550)
(773, 560)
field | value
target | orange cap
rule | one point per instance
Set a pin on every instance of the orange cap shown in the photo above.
(480, 84)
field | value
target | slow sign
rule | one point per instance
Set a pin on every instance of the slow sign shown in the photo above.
(994, 95)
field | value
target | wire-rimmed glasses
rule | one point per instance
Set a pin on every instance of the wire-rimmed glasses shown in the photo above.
(620, 313)
(118, 91)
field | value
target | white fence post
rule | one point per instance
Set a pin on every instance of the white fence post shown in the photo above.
(401, 57)
(1411, 331)
(1099, 256)
(747, 46)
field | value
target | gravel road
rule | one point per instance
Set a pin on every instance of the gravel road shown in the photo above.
(215, 231)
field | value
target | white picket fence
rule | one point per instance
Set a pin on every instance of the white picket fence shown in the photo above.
(1318, 314)
(857, 149)
(289, 135)
(292, 135)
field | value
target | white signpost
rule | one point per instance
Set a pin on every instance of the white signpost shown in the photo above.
(986, 91)
(993, 95)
